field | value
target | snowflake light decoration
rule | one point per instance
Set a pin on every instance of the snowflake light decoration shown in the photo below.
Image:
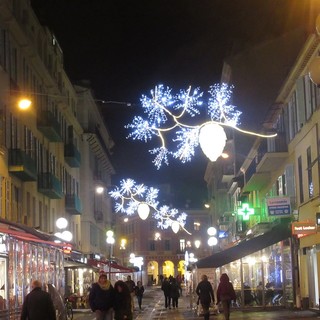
(167, 112)
(130, 195)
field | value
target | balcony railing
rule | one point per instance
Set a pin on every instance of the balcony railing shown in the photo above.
(73, 204)
(50, 186)
(49, 126)
(22, 165)
(72, 155)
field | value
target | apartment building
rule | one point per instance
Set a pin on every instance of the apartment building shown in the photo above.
(274, 194)
(52, 156)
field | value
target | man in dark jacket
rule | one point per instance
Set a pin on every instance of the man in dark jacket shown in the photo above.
(38, 304)
(166, 288)
(101, 298)
(205, 292)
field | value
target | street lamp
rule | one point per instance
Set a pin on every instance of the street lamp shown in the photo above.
(62, 224)
(137, 262)
(110, 240)
(212, 240)
(24, 103)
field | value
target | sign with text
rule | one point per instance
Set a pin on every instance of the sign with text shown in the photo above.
(303, 228)
(279, 206)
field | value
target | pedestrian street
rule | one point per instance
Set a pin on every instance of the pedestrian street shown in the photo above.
(153, 309)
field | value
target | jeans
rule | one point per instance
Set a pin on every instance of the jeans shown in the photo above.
(104, 315)
(139, 301)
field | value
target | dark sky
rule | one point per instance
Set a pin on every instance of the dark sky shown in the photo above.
(125, 48)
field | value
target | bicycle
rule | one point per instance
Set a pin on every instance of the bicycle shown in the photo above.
(69, 310)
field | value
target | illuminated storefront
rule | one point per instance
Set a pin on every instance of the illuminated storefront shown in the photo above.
(23, 258)
(260, 270)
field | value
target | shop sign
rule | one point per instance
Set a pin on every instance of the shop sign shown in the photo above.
(279, 206)
(303, 228)
(245, 211)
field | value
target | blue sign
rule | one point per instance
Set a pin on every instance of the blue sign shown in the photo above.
(279, 206)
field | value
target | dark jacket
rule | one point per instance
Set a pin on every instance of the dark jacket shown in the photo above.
(174, 289)
(205, 292)
(100, 299)
(122, 306)
(225, 289)
(166, 287)
(139, 291)
(38, 305)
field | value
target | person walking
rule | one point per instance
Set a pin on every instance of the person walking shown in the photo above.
(131, 285)
(174, 293)
(101, 298)
(225, 294)
(204, 291)
(139, 290)
(166, 291)
(38, 304)
(122, 301)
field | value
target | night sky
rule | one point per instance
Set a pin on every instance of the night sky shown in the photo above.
(125, 48)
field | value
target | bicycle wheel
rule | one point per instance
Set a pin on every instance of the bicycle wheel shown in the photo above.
(69, 312)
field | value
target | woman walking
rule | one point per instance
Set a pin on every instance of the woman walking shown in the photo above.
(225, 294)
(101, 298)
(205, 292)
(139, 290)
(122, 301)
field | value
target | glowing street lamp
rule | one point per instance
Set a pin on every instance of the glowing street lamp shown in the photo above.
(24, 103)
(65, 235)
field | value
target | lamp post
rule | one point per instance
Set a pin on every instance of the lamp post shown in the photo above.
(137, 262)
(110, 240)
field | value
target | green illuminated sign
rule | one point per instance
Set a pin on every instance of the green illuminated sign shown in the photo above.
(245, 211)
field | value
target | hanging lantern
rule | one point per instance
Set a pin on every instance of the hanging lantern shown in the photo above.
(143, 210)
(212, 139)
(314, 71)
(175, 226)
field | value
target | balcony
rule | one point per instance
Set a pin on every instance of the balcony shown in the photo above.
(73, 204)
(49, 186)
(22, 165)
(49, 126)
(272, 154)
(72, 155)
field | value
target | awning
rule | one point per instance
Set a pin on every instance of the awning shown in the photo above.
(24, 236)
(73, 264)
(277, 233)
(114, 267)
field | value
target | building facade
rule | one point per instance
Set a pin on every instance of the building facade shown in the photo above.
(54, 154)
(278, 182)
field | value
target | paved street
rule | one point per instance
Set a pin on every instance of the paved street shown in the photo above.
(153, 309)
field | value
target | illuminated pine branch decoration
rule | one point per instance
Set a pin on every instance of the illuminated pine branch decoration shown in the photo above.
(131, 197)
(167, 112)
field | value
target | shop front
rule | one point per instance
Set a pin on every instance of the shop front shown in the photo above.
(24, 257)
(260, 270)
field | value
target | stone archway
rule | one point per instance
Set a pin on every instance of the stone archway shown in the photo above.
(152, 271)
(168, 269)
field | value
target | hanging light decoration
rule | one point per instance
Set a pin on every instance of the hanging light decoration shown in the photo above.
(143, 210)
(209, 132)
(167, 113)
(175, 226)
(131, 198)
